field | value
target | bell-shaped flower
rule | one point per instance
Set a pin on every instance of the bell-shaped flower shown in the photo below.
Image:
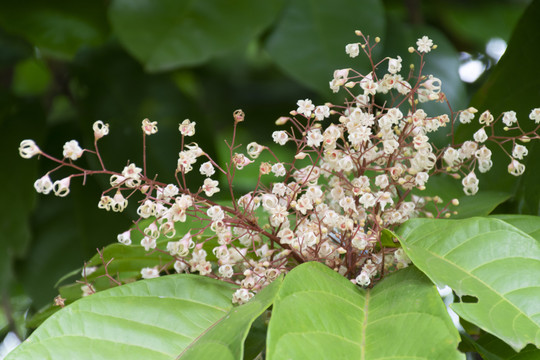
(61, 187)
(28, 148)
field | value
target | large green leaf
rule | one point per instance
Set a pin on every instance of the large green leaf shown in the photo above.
(310, 38)
(488, 259)
(318, 314)
(225, 340)
(151, 319)
(58, 28)
(165, 34)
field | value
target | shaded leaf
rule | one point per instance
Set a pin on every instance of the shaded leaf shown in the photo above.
(151, 319)
(318, 314)
(226, 339)
(448, 188)
(57, 28)
(309, 40)
(31, 77)
(180, 33)
(487, 259)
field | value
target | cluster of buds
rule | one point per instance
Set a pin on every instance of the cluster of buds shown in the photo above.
(357, 169)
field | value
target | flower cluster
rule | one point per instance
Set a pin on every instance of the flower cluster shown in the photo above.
(357, 169)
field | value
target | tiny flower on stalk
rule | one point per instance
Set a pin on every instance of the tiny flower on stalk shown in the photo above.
(28, 148)
(44, 184)
(72, 150)
(210, 187)
(149, 127)
(535, 115)
(100, 129)
(61, 187)
(125, 237)
(516, 168)
(187, 128)
(424, 44)
(353, 50)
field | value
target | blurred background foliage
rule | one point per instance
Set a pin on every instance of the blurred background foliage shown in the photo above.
(64, 65)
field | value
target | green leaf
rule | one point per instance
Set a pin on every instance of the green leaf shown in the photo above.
(31, 77)
(488, 259)
(448, 188)
(498, 19)
(152, 319)
(57, 28)
(226, 339)
(166, 34)
(526, 223)
(493, 348)
(309, 40)
(387, 239)
(318, 314)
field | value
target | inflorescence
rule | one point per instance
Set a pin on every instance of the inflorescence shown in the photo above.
(358, 168)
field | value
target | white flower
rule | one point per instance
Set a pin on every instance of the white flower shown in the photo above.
(100, 129)
(480, 136)
(353, 50)
(363, 279)
(226, 271)
(305, 107)
(118, 203)
(61, 187)
(149, 127)
(132, 172)
(149, 273)
(210, 187)
(322, 112)
(509, 118)
(170, 190)
(368, 200)
(254, 150)
(369, 86)
(216, 213)
(280, 137)
(187, 128)
(148, 243)
(516, 168)
(278, 169)
(125, 237)
(241, 296)
(466, 116)
(146, 209)
(535, 115)
(519, 151)
(470, 184)
(44, 184)
(207, 169)
(28, 148)
(346, 163)
(424, 44)
(394, 65)
(72, 150)
(486, 118)
(314, 138)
